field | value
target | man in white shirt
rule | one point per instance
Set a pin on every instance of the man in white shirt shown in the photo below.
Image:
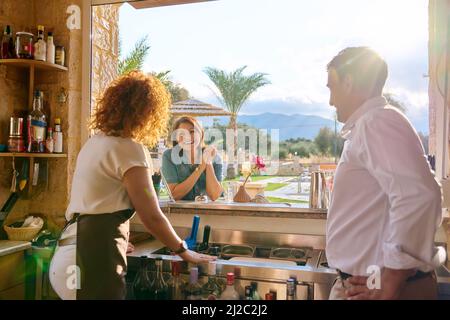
(386, 204)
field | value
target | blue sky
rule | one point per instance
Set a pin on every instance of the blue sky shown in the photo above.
(291, 40)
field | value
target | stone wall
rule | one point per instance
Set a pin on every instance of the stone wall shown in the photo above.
(52, 200)
(105, 47)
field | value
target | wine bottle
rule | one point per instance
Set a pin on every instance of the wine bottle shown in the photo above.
(141, 284)
(211, 290)
(230, 292)
(176, 283)
(159, 289)
(193, 289)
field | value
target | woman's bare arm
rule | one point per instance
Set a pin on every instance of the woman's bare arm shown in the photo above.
(137, 181)
(213, 187)
(179, 190)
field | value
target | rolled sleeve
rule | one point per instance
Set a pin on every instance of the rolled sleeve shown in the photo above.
(394, 156)
(168, 168)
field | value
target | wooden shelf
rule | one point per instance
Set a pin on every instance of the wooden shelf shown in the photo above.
(33, 155)
(28, 63)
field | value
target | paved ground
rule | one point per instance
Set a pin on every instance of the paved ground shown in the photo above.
(291, 191)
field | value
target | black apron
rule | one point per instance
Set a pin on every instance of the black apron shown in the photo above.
(101, 243)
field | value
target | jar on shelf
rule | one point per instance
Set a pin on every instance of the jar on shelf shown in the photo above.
(16, 142)
(24, 45)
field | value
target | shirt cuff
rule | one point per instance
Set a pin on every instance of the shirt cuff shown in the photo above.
(396, 258)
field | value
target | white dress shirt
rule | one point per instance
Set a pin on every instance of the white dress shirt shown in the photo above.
(386, 204)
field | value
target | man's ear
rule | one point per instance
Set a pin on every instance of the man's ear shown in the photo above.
(348, 83)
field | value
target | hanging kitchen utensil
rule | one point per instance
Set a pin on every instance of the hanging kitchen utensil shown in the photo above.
(23, 177)
(14, 176)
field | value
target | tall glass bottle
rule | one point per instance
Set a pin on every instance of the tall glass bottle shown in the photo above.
(193, 289)
(176, 283)
(211, 290)
(141, 284)
(230, 292)
(159, 288)
(37, 123)
(40, 47)
(7, 45)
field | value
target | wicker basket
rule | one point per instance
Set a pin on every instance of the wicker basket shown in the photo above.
(23, 234)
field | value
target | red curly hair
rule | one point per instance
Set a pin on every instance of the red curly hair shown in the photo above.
(134, 106)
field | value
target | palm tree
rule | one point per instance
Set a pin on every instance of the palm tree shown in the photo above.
(234, 90)
(135, 59)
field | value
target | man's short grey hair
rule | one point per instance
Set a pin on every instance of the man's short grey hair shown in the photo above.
(368, 70)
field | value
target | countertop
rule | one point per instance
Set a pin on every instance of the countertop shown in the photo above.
(220, 207)
(8, 246)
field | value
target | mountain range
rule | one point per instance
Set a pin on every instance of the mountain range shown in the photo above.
(290, 118)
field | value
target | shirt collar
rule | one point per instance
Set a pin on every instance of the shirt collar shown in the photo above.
(372, 103)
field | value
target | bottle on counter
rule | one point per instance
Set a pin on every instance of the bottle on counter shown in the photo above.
(248, 293)
(37, 124)
(176, 283)
(159, 290)
(291, 289)
(49, 143)
(58, 137)
(270, 296)
(7, 50)
(50, 48)
(230, 292)
(211, 290)
(141, 284)
(40, 47)
(193, 289)
(274, 294)
(255, 294)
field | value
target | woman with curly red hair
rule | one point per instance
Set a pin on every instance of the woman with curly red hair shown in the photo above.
(112, 180)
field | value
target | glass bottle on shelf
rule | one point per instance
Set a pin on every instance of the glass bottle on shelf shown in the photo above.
(40, 47)
(50, 48)
(36, 125)
(7, 50)
(176, 283)
(159, 288)
(58, 137)
(141, 284)
(49, 143)
(193, 289)
(230, 292)
(211, 290)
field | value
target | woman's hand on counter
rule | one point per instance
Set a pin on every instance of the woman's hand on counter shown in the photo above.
(196, 258)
